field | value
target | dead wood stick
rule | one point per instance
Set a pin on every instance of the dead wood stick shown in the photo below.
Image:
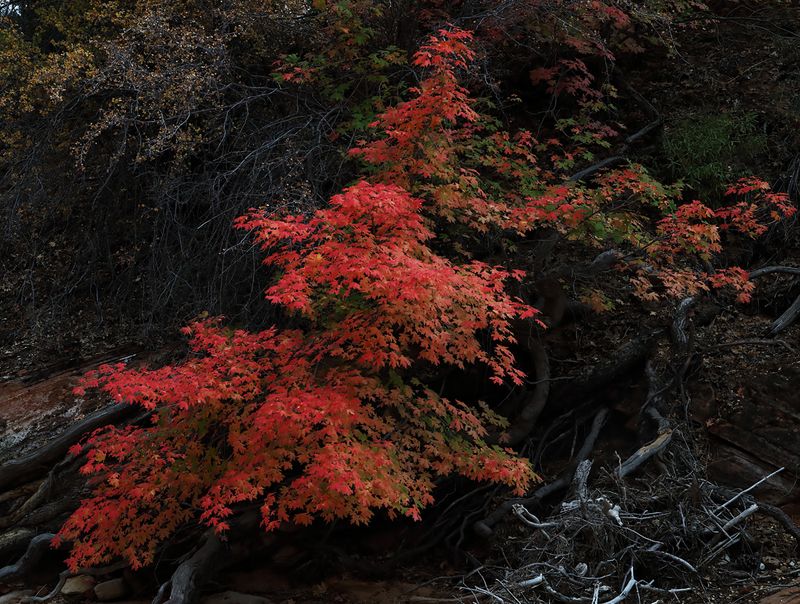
(768, 270)
(747, 490)
(657, 552)
(746, 513)
(609, 161)
(770, 510)
(721, 547)
(642, 132)
(25, 468)
(723, 530)
(484, 527)
(645, 453)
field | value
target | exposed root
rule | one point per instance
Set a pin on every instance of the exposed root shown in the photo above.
(31, 503)
(623, 361)
(15, 539)
(193, 573)
(37, 548)
(786, 320)
(42, 460)
(197, 570)
(534, 405)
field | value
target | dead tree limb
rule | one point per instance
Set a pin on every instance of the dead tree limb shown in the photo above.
(645, 453)
(484, 527)
(609, 161)
(769, 270)
(629, 140)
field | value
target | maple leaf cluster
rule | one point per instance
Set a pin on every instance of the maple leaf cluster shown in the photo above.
(313, 423)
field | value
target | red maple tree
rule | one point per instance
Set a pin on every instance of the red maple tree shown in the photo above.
(328, 420)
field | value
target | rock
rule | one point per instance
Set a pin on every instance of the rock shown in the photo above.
(110, 590)
(288, 555)
(760, 435)
(790, 595)
(234, 597)
(14, 597)
(79, 585)
(258, 581)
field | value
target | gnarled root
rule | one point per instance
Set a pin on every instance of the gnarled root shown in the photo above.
(37, 548)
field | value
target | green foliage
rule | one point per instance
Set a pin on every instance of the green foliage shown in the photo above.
(708, 151)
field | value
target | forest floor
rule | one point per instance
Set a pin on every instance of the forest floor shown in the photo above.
(735, 408)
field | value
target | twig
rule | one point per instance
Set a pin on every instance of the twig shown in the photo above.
(538, 580)
(747, 490)
(521, 512)
(741, 516)
(681, 561)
